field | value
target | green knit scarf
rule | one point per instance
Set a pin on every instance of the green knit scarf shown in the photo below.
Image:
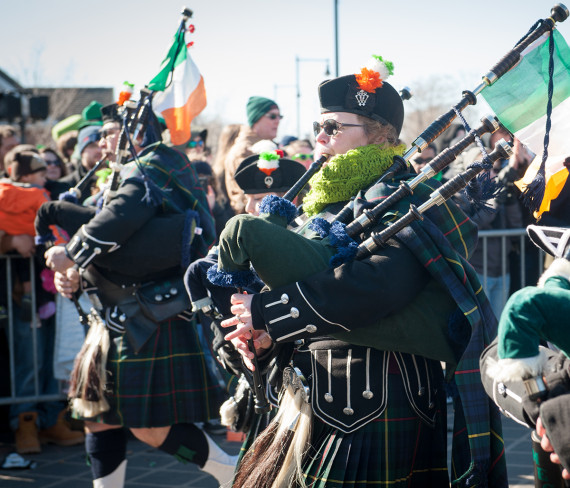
(346, 174)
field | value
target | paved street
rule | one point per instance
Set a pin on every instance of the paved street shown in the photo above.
(64, 467)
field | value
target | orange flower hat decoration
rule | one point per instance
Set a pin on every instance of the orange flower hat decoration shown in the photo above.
(374, 74)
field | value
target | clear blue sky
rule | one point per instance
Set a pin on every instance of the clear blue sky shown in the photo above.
(249, 47)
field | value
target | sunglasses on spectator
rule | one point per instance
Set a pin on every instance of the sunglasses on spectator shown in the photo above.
(422, 160)
(274, 116)
(55, 162)
(302, 156)
(195, 143)
(331, 127)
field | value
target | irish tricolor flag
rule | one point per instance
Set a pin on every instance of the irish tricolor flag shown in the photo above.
(519, 99)
(181, 95)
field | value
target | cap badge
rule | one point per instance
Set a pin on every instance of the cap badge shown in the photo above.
(361, 98)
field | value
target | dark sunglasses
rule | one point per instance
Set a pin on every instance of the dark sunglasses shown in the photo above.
(302, 156)
(274, 116)
(55, 162)
(422, 160)
(195, 143)
(331, 127)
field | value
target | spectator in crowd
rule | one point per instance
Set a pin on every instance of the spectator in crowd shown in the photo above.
(20, 198)
(226, 140)
(66, 146)
(196, 146)
(424, 158)
(263, 119)
(286, 140)
(90, 152)
(300, 151)
(55, 169)
(8, 139)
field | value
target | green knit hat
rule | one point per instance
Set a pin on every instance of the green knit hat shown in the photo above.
(92, 112)
(257, 107)
(73, 122)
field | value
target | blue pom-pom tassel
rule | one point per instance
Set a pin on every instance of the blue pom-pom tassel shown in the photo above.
(274, 205)
(320, 226)
(482, 189)
(346, 246)
(68, 196)
(235, 279)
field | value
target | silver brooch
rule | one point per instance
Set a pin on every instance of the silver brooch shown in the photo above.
(268, 181)
(361, 97)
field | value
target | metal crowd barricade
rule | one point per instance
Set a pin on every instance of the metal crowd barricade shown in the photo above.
(506, 235)
(37, 397)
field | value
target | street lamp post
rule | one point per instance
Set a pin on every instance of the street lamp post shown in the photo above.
(336, 38)
(298, 62)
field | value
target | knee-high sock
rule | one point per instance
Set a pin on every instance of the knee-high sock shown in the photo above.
(107, 452)
(187, 443)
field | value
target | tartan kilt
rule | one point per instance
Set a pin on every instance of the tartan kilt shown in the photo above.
(166, 383)
(397, 449)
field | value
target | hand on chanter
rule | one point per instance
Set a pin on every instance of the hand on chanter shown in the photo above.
(67, 283)
(56, 259)
(547, 446)
(241, 308)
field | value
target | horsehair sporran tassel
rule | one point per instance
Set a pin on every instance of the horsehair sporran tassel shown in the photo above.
(89, 376)
(297, 424)
(275, 458)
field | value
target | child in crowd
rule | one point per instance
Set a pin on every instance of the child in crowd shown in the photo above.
(21, 195)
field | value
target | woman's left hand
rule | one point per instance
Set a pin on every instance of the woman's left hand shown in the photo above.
(241, 307)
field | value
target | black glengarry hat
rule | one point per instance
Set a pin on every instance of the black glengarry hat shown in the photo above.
(366, 93)
(110, 113)
(268, 172)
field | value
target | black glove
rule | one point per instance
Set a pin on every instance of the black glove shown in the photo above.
(555, 416)
(556, 382)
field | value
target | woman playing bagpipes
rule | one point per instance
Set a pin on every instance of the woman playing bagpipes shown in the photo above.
(370, 333)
